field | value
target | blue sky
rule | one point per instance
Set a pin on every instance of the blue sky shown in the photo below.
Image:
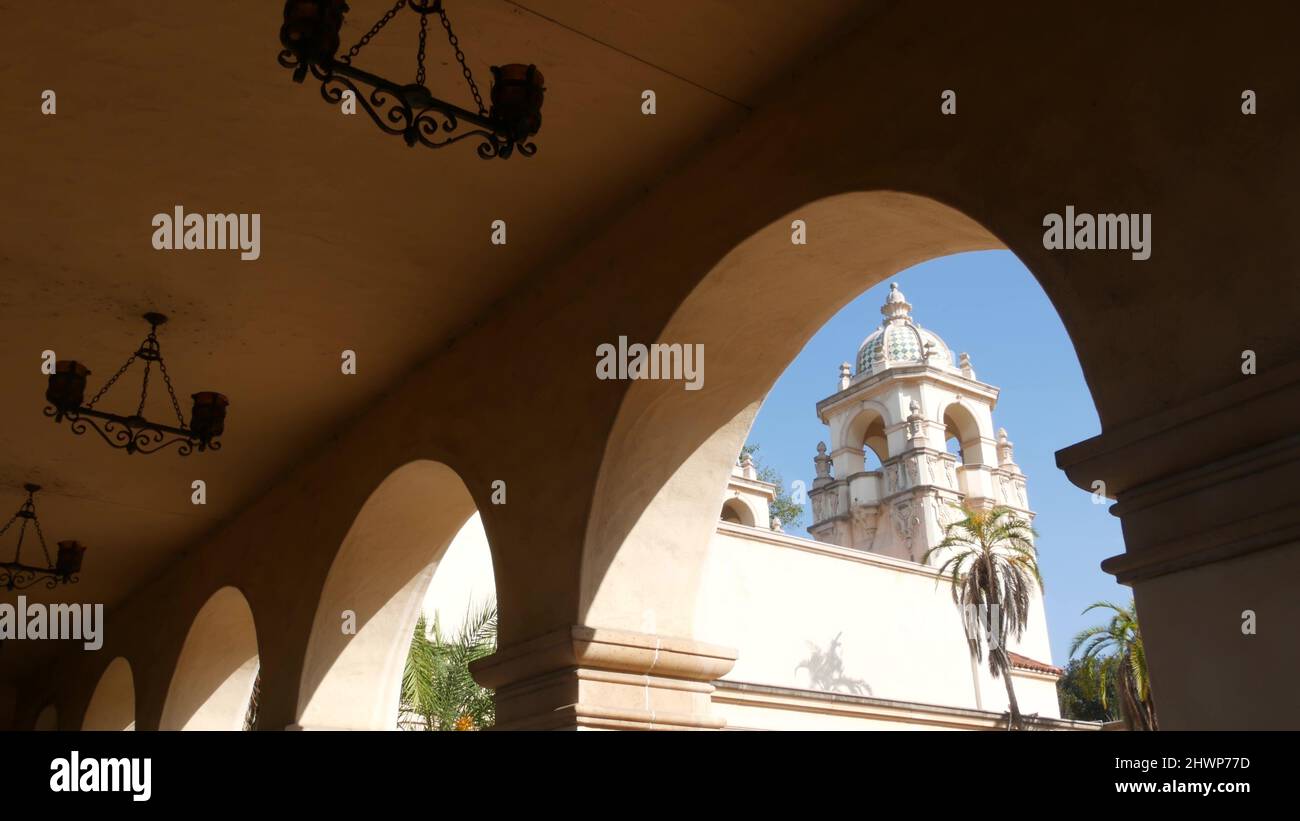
(988, 305)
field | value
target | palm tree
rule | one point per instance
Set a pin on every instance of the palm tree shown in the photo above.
(250, 715)
(1125, 667)
(989, 557)
(438, 692)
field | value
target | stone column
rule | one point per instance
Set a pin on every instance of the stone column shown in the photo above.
(1209, 496)
(593, 678)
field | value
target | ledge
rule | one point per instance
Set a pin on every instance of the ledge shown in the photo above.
(598, 648)
(869, 707)
(1252, 412)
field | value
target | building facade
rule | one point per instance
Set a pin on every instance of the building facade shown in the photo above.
(855, 628)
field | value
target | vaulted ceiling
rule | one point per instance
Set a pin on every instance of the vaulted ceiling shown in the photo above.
(365, 244)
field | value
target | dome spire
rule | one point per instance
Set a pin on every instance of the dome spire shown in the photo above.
(896, 306)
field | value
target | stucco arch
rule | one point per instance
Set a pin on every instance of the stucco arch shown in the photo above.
(867, 427)
(968, 429)
(379, 575)
(47, 719)
(740, 510)
(217, 666)
(112, 705)
(669, 452)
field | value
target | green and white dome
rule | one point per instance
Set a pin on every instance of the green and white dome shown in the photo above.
(900, 341)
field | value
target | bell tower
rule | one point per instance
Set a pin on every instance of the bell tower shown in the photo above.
(889, 480)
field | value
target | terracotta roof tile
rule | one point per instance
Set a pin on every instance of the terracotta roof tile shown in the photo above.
(1026, 663)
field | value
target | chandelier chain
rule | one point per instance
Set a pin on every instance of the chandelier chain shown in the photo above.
(419, 58)
(176, 406)
(460, 58)
(111, 380)
(366, 38)
(144, 390)
(40, 534)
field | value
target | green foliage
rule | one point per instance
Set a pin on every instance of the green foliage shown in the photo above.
(783, 507)
(1122, 664)
(1087, 692)
(990, 558)
(438, 692)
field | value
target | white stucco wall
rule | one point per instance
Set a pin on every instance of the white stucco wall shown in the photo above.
(781, 601)
(778, 599)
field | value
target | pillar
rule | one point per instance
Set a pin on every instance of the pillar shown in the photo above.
(1209, 496)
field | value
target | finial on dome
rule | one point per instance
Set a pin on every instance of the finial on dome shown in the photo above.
(896, 305)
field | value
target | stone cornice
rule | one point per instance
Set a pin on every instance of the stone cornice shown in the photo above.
(910, 374)
(1213, 479)
(1253, 411)
(829, 550)
(755, 485)
(1196, 517)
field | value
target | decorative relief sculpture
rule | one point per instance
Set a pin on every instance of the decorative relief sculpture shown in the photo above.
(905, 522)
(864, 526)
(937, 473)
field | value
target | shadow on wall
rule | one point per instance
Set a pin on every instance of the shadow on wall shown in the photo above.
(826, 670)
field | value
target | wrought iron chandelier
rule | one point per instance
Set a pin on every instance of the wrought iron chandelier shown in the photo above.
(18, 576)
(310, 36)
(135, 434)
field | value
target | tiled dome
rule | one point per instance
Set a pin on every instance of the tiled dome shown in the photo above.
(900, 341)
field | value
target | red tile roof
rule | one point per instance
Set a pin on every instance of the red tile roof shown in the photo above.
(1026, 663)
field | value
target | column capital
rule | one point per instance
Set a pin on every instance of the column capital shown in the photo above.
(582, 677)
(1211, 479)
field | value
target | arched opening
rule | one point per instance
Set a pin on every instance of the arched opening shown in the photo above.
(374, 594)
(112, 705)
(669, 453)
(961, 434)
(47, 719)
(215, 673)
(654, 538)
(737, 512)
(865, 435)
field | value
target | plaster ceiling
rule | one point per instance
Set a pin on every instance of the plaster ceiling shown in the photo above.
(366, 244)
